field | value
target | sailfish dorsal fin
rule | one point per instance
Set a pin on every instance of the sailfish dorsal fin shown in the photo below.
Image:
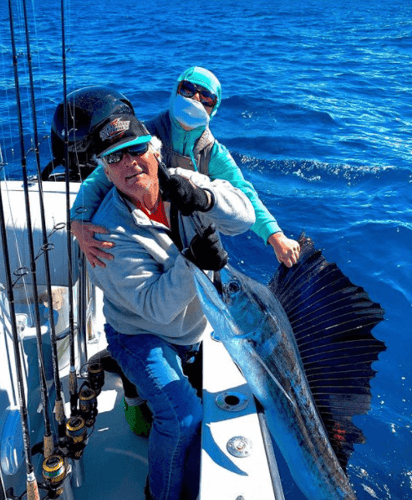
(332, 320)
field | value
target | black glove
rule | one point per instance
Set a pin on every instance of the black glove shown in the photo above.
(185, 195)
(207, 251)
(163, 174)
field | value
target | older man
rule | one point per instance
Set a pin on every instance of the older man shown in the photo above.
(154, 319)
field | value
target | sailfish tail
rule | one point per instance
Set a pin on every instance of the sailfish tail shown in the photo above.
(332, 320)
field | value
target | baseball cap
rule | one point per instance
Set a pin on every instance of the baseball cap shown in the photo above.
(119, 131)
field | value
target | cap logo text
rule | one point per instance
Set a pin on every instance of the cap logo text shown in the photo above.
(115, 128)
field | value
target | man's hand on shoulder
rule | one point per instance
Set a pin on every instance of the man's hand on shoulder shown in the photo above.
(84, 233)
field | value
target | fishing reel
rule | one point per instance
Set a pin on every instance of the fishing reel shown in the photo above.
(89, 391)
(85, 416)
(55, 470)
(95, 376)
(77, 437)
(88, 405)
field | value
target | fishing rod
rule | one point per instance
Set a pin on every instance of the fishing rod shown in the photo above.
(2, 490)
(76, 426)
(46, 247)
(48, 444)
(55, 466)
(72, 375)
(82, 310)
(31, 481)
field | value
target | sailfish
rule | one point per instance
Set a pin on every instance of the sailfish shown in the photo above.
(305, 347)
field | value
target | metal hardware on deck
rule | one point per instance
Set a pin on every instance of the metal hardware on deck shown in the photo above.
(239, 447)
(231, 401)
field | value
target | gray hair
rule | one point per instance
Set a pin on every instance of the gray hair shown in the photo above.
(155, 146)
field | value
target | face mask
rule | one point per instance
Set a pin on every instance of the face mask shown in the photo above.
(190, 113)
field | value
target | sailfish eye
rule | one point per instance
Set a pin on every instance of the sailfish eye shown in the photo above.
(233, 287)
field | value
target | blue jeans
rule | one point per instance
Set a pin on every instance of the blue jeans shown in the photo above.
(155, 367)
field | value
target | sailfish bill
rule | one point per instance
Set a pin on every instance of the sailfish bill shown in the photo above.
(305, 347)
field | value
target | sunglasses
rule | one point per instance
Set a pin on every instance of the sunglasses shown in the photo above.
(135, 151)
(189, 89)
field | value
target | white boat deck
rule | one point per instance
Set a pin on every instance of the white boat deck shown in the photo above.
(224, 475)
(115, 459)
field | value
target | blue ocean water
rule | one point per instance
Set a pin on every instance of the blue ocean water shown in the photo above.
(316, 111)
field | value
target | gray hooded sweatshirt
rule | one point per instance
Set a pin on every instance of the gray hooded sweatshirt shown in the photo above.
(148, 289)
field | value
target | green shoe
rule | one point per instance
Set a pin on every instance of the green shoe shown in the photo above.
(139, 419)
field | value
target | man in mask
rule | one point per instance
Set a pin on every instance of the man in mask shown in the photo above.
(187, 143)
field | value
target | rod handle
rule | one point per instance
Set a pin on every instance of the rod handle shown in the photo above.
(59, 411)
(32, 489)
(72, 382)
(48, 445)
